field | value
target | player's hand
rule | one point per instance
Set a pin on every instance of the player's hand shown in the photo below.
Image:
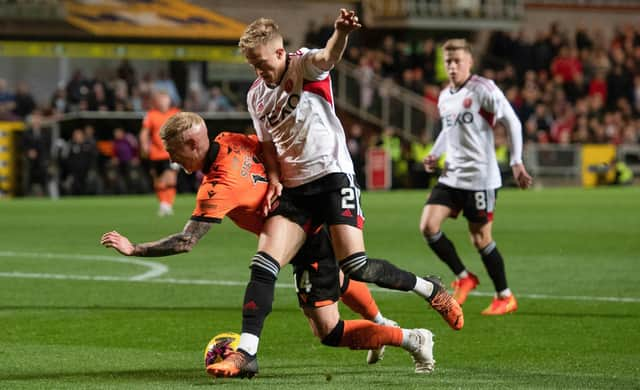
(347, 21)
(430, 163)
(273, 192)
(522, 177)
(118, 242)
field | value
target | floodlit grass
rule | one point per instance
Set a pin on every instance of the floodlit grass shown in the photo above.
(71, 317)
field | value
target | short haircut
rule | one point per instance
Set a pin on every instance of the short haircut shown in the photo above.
(457, 44)
(259, 32)
(179, 124)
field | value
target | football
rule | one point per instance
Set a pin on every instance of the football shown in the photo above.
(219, 346)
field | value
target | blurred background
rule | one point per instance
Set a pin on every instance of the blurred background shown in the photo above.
(76, 78)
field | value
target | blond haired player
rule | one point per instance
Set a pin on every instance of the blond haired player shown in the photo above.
(311, 178)
(469, 109)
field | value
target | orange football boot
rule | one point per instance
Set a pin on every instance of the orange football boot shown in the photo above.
(501, 306)
(462, 287)
(444, 304)
(236, 364)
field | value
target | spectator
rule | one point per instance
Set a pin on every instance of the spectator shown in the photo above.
(24, 102)
(78, 161)
(36, 146)
(195, 101)
(7, 102)
(217, 101)
(165, 83)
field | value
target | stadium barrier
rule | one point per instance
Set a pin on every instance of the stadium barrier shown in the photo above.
(553, 164)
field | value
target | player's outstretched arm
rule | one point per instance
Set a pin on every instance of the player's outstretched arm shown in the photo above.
(171, 245)
(346, 22)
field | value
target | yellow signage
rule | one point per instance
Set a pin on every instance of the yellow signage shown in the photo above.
(175, 19)
(226, 54)
(597, 165)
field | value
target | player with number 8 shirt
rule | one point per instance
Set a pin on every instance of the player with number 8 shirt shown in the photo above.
(470, 109)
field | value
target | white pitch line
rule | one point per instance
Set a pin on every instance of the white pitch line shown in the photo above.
(194, 282)
(155, 269)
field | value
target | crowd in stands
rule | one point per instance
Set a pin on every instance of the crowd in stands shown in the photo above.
(79, 163)
(566, 88)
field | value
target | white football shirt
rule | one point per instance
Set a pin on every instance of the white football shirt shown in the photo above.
(468, 116)
(299, 117)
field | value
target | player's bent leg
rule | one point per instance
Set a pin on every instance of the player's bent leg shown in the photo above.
(362, 334)
(357, 297)
(384, 274)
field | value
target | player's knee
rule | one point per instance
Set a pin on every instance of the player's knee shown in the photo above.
(480, 241)
(429, 228)
(334, 337)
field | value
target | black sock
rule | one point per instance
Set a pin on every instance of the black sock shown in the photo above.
(494, 264)
(380, 272)
(258, 297)
(445, 250)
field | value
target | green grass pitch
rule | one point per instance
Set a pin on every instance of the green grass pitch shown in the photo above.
(76, 315)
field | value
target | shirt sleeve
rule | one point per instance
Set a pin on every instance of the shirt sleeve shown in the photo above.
(496, 103)
(309, 70)
(440, 146)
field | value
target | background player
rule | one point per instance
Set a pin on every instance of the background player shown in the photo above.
(235, 185)
(304, 148)
(151, 148)
(469, 110)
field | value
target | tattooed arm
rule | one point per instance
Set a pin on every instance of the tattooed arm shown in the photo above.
(176, 243)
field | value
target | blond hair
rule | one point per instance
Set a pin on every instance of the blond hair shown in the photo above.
(179, 124)
(259, 32)
(457, 44)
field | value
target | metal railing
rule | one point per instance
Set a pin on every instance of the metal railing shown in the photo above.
(380, 101)
(562, 164)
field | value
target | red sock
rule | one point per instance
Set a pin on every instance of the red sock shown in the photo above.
(362, 334)
(359, 299)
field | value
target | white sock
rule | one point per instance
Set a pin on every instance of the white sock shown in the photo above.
(249, 343)
(409, 340)
(379, 318)
(423, 287)
(462, 274)
(504, 293)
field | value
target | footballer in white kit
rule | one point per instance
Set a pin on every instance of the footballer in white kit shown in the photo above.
(298, 115)
(469, 115)
(469, 109)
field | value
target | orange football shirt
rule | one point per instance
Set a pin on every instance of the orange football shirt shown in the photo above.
(154, 121)
(234, 184)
